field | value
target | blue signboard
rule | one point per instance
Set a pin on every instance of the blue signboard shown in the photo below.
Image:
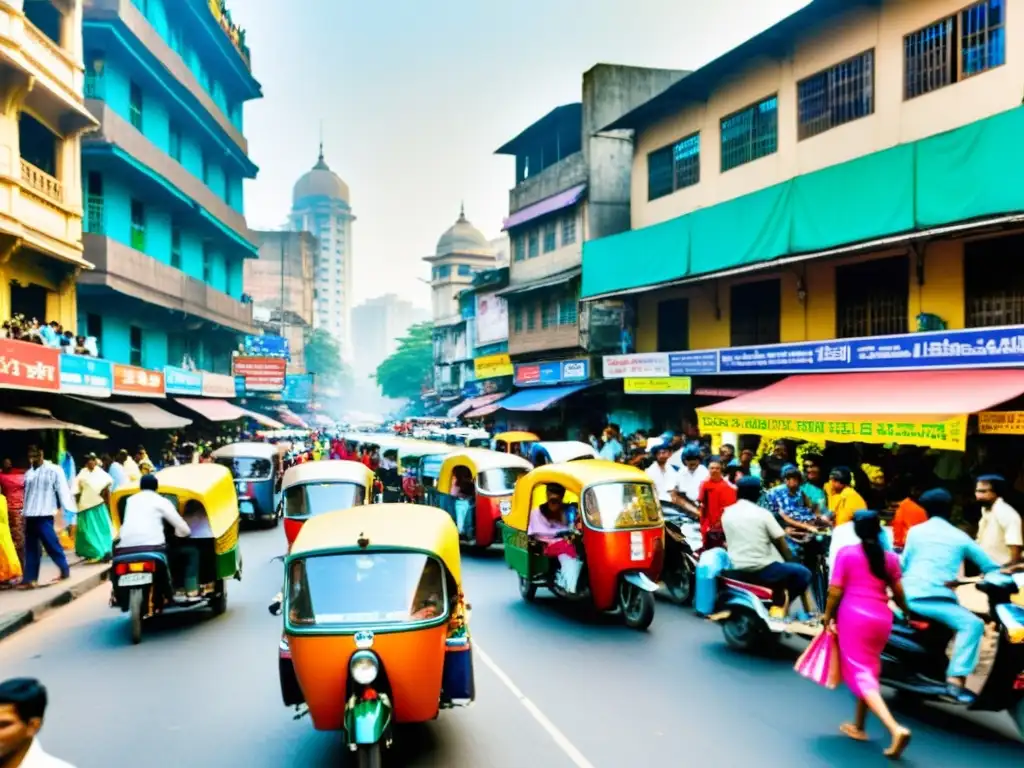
(692, 363)
(179, 381)
(970, 348)
(298, 388)
(267, 346)
(554, 372)
(88, 376)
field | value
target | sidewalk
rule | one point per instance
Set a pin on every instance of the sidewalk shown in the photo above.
(19, 608)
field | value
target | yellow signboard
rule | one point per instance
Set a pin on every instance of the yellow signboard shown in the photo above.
(950, 434)
(672, 385)
(492, 366)
(1001, 422)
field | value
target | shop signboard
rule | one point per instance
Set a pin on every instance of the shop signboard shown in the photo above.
(298, 388)
(267, 346)
(138, 382)
(1001, 423)
(181, 381)
(261, 374)
(692, 363)
(491, 319)
(553, 372)
(671, 385)
(29, 366)
(642, 365)
(949, 435)
(218, 385)
(492, 367)
(86, 376)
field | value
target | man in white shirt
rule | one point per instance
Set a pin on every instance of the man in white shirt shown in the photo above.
(661, 474)
(144, 516)
(689, 479)
(22, 707)
(757, 545)
(999, 531)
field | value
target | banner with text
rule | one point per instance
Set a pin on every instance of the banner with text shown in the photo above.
(261, 374)
(1001, 423)
(492, 366)
(672, 385)
(554, 372)
(87, 376)
(138, 382)
(24, 365)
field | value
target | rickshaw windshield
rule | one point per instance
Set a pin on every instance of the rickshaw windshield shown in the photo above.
(495, 481)
(314, 498)
(615, 506)
(366, 588)
(247, 468)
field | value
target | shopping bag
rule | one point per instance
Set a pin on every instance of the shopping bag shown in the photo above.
(820, 662)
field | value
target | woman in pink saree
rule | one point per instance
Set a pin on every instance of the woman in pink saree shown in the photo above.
(858, 611)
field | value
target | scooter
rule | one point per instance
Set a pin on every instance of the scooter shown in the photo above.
(682, 543)
(914, 661)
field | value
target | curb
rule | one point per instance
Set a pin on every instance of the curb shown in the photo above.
(21, 619)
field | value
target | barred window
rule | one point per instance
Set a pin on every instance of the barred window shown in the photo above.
(750, 134)
(550, 236)
(994, 282)
(755, 313)
(982, 37)
(517, 319)
(837, 95)
(534, 244)
(567, 310)
(569, 229)
(673, 167)
(520, 246)
(872, 298)
(531, 316)
(929, 56)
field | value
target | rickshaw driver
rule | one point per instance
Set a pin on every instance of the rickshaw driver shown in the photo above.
(549, 523)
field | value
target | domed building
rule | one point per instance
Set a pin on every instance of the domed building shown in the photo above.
(321, 205)
(461, 252)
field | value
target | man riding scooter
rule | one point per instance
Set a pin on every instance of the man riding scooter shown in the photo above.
(934, 553)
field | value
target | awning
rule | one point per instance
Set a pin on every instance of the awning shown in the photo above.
(291, 419)
(486, 410)
(262, 420)
(214, 410)
(551, 204)
(473, 404)
(26, 422)
(539, 285)
(539, 398)
(926, 408)
(145, 415)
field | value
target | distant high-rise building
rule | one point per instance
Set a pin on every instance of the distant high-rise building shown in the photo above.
(320, 204)
(502, 248)
(377, 325)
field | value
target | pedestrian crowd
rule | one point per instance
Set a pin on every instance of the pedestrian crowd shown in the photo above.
(51, 334)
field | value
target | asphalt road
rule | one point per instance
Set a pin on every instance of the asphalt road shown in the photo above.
(200, 691)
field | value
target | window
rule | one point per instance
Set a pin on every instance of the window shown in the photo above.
(93, 75)
(569, 229)
(955, 47)
(673, 325)
(465, 270)
(517, 319)
(94, 327)
(994, 282)
(176, 246)
(755, 313)
(138, 236)
(39, 146)
(549, 312)
(837, 95)
(519, 243)
(135, 345)
(531, 316)
(750, 134)
(135, 105)
(206, 168)
(444, 271)
(207, 264)
(550, 236)
(871, 298)
(94, 204)
(534, 244)
(174, 142)
(568, 310)
(673, 167)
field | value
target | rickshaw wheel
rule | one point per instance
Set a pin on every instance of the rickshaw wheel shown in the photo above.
(219, 602)
(679, 586)
(527, 590)
(369, 757)
(135, 614)
(637, 605)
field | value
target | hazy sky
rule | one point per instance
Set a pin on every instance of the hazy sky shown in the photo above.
(415, 97)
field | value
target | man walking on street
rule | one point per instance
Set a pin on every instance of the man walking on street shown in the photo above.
(46, 489)
(22, 708)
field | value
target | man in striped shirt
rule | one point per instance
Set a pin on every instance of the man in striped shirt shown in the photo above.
(46, 489)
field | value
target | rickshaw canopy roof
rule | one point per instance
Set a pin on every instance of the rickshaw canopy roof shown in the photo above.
(517, 437)
(477, 460)
(574, 476)
(246, 451)
(567, 450)
(326, 470)
(395, 526)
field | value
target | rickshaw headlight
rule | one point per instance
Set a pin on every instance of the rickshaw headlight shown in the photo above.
(364, 668)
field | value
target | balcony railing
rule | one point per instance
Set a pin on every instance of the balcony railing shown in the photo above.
(42, 182)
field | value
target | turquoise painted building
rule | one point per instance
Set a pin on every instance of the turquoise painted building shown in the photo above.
(162, 182)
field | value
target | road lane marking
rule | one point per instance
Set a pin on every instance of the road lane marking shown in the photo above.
(560, 738)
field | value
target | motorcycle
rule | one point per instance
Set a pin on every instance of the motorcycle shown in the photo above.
(914, 661)
(682, 545)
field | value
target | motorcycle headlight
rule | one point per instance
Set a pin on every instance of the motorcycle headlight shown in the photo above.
(364, 668)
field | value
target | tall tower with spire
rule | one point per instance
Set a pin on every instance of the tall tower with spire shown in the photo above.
(321, 205)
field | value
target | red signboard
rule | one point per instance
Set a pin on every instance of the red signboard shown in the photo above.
(130, 380)
(24, 365)
(261, 374)
(527, 374)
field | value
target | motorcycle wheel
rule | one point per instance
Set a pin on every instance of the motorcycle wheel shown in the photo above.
(637, 605)
(740, 630)
(679, 585)
(527, 590)
(369, 757)
(135, 597)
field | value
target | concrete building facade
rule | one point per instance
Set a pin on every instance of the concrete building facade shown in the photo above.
(377, 325)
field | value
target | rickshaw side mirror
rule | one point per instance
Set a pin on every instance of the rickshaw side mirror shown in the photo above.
(275, 608)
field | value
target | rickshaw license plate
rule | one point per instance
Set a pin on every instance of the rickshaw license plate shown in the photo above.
(135, 579)
(636, 546)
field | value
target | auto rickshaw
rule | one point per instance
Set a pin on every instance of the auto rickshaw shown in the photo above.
(256, 468)
(514, 442)
(492, 477)
(375, 623)
(316, 487)
(560, 451)
(615, 526)
(146, 581)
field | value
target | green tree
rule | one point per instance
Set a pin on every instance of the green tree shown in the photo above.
(403, 375)
(323, 358)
